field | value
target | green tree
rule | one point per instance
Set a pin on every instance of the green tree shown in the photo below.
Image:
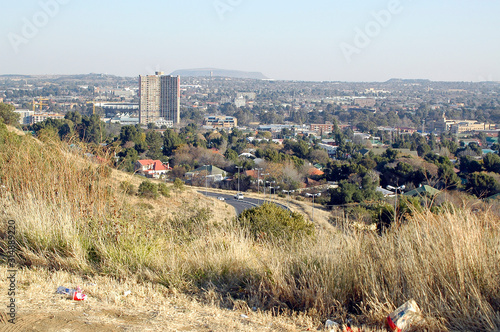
(74, 116)
(491, 162)
(390, 154)
(94, 131)
(171, 141)
(355, 192)
(128, 157)
(66, 130)
(154, 141)
(448, 177)
(469, 165)
(337, 170)
(344, 194)
(8, 116)
(133, 136)
(231, 155)
(423, 149)
(482, 185)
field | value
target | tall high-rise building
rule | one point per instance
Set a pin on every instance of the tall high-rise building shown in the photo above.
(149, 94)
(170, 98)
(160, 99)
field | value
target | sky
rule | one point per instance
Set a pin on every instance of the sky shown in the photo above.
(318, 40)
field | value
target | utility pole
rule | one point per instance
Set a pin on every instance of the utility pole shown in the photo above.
(396, 199)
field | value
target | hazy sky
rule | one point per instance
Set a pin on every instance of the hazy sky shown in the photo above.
(322, 40)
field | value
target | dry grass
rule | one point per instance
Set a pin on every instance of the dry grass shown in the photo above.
(148, 307)
(70, 216)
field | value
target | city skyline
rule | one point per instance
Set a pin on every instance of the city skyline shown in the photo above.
(324, 41)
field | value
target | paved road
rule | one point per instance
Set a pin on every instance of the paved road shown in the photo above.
(239, 205)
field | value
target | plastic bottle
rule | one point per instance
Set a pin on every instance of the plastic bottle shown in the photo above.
(74, 294)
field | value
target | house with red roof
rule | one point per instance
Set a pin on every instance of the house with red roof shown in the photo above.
(255, 175)
(313, 171)
(151, 168)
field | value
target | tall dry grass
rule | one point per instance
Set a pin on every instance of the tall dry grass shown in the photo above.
(70, 215)
(448, 263)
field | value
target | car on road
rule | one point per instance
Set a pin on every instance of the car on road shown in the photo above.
(238, 196)
(220, 198)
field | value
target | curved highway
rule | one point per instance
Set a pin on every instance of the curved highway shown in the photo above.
(239, 205)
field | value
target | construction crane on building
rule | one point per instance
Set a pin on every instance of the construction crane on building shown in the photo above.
(93, 105)
(41, 103)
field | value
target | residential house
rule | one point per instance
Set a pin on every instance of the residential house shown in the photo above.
(255, 175)
(313, 171)
(330, 149)
(215, 174)
(151, 168)
(422, 191)
(385, 192)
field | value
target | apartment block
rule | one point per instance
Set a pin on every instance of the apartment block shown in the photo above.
(221, 121)
(40, 117)
(323, 128)
(25, 116)
(159, 99)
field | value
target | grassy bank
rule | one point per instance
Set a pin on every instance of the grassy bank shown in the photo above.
(71, 215)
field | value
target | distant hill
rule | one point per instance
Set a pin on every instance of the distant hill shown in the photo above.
(408, 81)
(219, 72)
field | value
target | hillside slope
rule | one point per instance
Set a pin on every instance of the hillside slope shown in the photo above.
(186, 261)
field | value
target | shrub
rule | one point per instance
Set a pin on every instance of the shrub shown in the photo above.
(271, 222)
(178, 184)
(322, 200)
(148, 189)
(127, 187)
(163, 190)
(359, 214)
(383, 216)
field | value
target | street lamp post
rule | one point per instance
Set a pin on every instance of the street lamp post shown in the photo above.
(270, 189)
(288, 192)
(265, 185)
(258, 179)
(313, 195)
(396, 199)
(264, 182)
(238, 167)
(206, 177)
